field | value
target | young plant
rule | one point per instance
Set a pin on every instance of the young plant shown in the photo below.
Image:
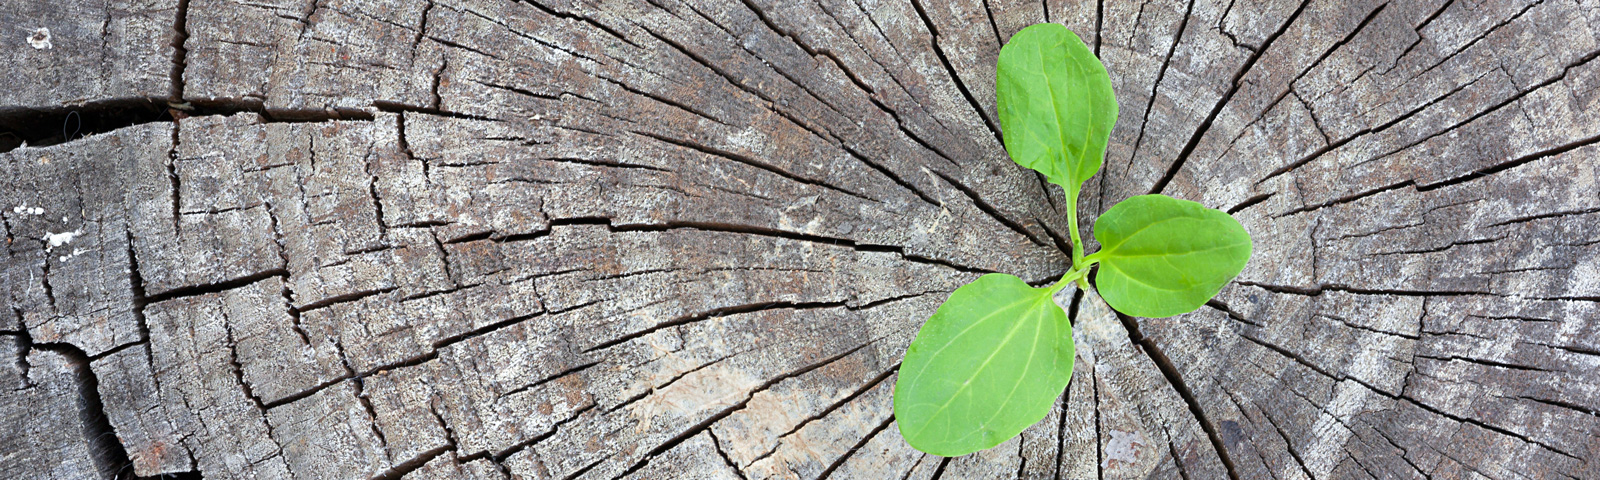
(995, 356)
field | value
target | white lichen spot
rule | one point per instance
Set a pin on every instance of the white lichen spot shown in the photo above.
(749, 139)
(26, 210)
(1123, 447)
(40, 39)
(58, 239)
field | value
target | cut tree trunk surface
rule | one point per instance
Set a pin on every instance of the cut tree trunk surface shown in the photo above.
(419, 239)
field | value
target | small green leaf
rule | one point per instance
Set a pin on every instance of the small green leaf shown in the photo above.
(1161, 256)
(1055, 103)
(988, 364)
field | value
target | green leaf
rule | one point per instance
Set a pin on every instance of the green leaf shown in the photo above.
(1161, 256)
(988, 364)
(1055, 103)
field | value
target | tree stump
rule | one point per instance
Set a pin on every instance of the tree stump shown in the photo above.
(418, 239)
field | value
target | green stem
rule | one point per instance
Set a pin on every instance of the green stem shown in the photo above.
(1072, 225)
(1074, 274)
(1080, 266)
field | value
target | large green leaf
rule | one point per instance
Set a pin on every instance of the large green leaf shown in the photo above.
(988, 364)
(1161, 256)
(1055, 103)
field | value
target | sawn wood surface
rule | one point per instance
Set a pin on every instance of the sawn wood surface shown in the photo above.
(596, 239)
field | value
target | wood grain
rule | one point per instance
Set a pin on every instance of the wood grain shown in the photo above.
(417, 239)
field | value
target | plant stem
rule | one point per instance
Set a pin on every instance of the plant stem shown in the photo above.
(1072, 225)
(1080, 268)
(1074, 274)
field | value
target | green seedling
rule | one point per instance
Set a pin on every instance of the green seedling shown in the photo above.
(993, 358)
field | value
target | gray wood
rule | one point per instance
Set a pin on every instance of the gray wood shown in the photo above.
(76, 51)
(397, 239)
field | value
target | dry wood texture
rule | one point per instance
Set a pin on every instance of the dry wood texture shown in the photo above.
(420, 239)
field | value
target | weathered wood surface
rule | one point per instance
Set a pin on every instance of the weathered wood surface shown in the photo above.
(429, 239)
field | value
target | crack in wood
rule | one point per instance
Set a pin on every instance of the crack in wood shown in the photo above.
(748, 230)
(1417, 29)
(180, 50)
(878, 51)
(581, 19)
(938, 473)
(1320, 288)
(1290, 86)
(1175, 379)
(1481, 361)
(1325, 149)
(46, 126)
(717, 445)
(400, 470)
(866, 387)
(1475, 40)
(106, 449)
(1513, 163)
(1403, 398)
(984, 206)
(705, 425)
(839, 462)
(1160, 74)
(751, 161)
(933, 40)
(1584, 60)
(1205, 125)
